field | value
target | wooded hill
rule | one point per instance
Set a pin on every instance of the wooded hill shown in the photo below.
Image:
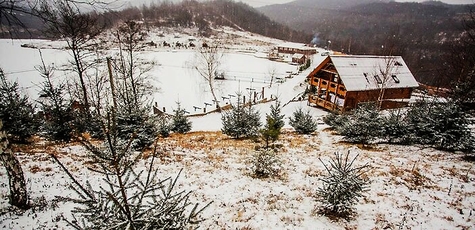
(420, 32)
(191, 13)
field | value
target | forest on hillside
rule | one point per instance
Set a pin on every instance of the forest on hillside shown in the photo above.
(188, 13)
(425, 34)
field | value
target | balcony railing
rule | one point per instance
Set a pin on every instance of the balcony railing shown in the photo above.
(314, 99)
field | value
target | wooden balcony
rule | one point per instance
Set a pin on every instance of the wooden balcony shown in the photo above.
(315, 100)
(341, 90)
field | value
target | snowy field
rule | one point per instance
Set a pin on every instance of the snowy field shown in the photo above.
(243, 62)
(411, 187)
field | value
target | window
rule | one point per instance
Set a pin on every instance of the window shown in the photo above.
(378, 79)
(395, 78)
(366, 76)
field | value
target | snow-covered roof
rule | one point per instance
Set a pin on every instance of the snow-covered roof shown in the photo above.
(298, 56)
(362, 72)
(294, 45)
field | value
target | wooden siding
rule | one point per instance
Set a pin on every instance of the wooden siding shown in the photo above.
(290, 50)
(328, 91)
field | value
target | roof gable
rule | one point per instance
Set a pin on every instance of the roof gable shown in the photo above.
(359, 73)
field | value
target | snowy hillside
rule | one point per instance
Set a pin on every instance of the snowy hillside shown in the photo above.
(244, 65)
(411, 187)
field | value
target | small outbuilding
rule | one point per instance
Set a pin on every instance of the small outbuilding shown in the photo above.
(299, 58)
(341, 82)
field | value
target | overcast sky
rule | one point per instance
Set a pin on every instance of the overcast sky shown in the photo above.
(257, 3)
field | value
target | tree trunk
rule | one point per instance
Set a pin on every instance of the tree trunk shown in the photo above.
(18, 193)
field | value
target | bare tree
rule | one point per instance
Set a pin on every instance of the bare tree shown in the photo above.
(272, 71)
(10, 11)
(65, 20)
(18, 192)
(385, 76)
(207, 62)
(132, 87)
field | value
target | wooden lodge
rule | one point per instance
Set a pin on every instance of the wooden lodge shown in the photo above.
(339, 83)
(296, 48)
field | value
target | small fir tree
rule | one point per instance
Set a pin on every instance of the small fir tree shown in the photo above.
(16, 112)
(364, 124)
(419, 125)
(164, 126)
(138, 123)
(303, 122)
(453, 131)
(269, 133)
(133, 198)
(274, 124)
(394, 127)
(265, 163)
(336, 121)
(342, 186)
(180, 123)
(241, 121)
(276, 115)
(58, 113)
(442, 125)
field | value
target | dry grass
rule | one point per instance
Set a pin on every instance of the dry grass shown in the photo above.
(36, 169)
(207, 141)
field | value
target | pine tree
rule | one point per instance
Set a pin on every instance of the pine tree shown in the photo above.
(265, 163)
(394, 127)
(180, 123)
(342, 187)
(275, 114)
(16, 112)
(453, 130)
(58, 113)
(132, 198)
(164, 126)
(441, 125)
(241, 121)
(420, 128)
(364, 124)
(140, 124)
(303, 122)
(274, 124)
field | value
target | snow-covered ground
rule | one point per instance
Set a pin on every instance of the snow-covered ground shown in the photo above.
(411, 187)
(243, 63)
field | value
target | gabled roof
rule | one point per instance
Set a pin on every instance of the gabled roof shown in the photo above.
(298, 56)
(362, 72)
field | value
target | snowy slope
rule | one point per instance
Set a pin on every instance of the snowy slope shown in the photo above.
(411, 187)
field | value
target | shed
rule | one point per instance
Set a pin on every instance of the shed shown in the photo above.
(299, 58)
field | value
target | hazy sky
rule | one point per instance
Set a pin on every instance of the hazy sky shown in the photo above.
(257, 3)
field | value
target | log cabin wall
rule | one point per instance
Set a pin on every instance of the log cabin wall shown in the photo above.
(327, 90)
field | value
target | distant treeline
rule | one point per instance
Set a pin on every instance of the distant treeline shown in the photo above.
(212, 13)
(423, 33)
